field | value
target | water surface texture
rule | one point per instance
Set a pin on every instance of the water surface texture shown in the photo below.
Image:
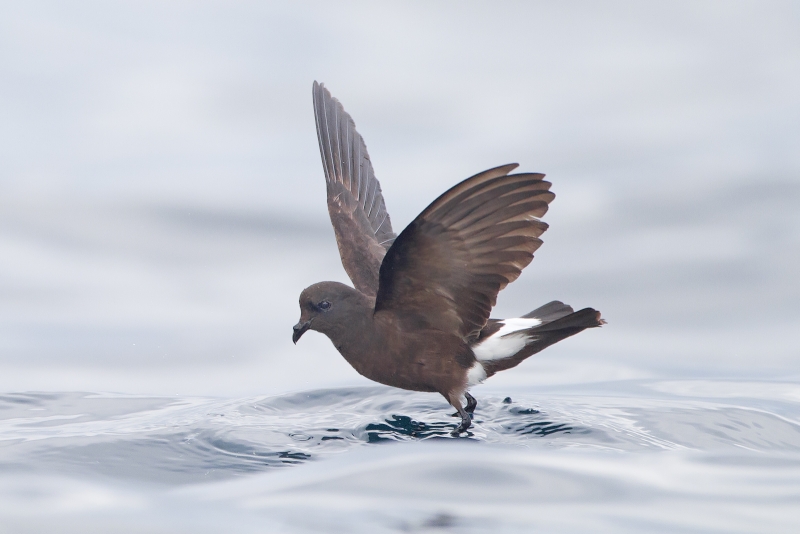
(671, 456)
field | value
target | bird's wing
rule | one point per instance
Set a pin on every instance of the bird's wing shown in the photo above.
(445, 269)
(355, 204)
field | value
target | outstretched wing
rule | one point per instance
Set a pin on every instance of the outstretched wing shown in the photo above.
(355, 204)
(445, 269)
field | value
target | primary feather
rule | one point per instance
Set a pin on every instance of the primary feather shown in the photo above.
(355, 204)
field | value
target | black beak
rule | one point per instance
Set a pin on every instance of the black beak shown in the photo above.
(299, 330)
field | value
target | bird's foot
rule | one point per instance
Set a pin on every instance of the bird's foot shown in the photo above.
(466, 422)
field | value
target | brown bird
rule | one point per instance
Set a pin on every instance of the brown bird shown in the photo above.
(418, 317)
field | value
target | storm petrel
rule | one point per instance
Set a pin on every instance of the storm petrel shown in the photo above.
(418, 317)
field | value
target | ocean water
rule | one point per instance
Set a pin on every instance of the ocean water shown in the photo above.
(621, 456)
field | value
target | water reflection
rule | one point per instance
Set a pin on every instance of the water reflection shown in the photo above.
(400, 427)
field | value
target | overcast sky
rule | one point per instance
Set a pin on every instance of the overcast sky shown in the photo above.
(160, 183)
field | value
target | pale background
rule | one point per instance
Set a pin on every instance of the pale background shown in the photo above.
(162, 198)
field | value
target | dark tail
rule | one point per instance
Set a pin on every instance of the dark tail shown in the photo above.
(558, 322)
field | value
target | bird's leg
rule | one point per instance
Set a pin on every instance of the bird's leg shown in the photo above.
(471, 403)
(466, 420)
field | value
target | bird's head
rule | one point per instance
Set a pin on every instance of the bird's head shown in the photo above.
(326, 307)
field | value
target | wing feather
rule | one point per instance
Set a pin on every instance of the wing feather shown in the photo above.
(445, 269)
(355, 204)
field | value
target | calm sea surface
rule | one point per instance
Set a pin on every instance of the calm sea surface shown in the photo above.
(625, 456)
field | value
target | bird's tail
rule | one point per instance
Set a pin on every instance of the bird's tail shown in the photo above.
(506, 343)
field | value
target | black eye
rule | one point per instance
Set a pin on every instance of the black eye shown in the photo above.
(324, 305)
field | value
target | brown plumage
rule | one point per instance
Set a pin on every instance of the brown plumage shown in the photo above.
(418, 317)
(355, 203)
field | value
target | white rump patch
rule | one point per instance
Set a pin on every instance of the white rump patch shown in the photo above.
(475, 375)
(505, 342)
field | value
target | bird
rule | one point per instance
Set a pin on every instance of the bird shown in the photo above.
(418, 314)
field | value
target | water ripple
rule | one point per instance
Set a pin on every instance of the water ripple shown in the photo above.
(179, 440)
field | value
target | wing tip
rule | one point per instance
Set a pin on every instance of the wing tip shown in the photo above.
(509, 166)
(319, 93)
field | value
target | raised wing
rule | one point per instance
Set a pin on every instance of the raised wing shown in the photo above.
(355, 204)
(446, 268)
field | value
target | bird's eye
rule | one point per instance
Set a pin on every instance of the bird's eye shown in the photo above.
(324, 305)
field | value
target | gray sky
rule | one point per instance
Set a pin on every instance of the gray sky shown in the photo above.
(162, 203)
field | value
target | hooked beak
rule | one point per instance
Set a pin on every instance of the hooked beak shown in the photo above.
(299, 330)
